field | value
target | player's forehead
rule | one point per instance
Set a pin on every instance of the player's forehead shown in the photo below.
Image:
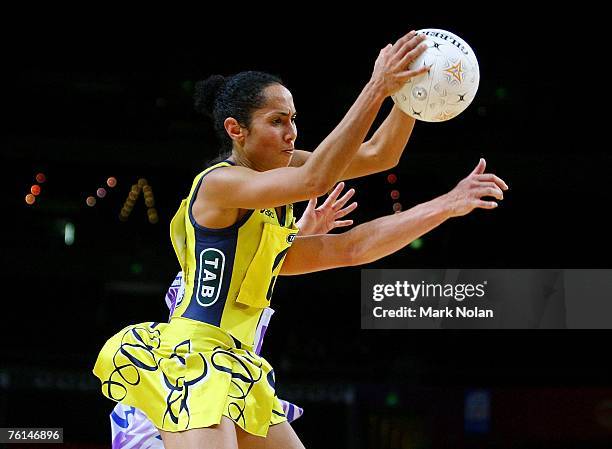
(278, 100)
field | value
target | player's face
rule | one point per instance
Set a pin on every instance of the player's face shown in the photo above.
(270, 140)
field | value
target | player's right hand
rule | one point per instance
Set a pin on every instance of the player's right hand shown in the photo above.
(391, 67)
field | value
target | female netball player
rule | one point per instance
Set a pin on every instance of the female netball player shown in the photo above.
(198, 378)
(130, 427)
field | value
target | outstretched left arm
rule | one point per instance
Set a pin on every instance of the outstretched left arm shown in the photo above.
(378, 238)
(381, 152)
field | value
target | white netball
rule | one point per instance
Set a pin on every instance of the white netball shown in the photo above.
(451, 84)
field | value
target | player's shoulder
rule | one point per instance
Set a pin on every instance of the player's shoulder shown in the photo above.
(223, 171)
(223, 176)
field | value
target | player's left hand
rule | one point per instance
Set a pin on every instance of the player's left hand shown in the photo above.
(322, 219)
(468, 194)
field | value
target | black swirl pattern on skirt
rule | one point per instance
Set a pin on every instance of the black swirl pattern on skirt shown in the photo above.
(180, 392)
(242, 381)
(141, 356)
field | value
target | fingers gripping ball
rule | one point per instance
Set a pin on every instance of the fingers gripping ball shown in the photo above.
(450, 85)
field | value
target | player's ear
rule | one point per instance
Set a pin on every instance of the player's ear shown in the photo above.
(236, 132)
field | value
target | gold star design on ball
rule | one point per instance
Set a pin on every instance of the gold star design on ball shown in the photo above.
(456, 71)
(443, 116)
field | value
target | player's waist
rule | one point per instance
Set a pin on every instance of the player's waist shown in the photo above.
(198, 329)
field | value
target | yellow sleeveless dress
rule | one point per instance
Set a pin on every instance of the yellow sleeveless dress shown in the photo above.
(201, 365)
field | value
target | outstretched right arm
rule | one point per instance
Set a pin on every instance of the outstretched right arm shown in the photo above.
(242, 188)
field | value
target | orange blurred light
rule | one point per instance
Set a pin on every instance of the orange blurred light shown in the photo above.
(91, 201)
(30, 199)
(35, 189)
(111, 182)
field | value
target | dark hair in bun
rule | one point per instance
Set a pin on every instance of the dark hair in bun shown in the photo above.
(205, 93)
(236, 96)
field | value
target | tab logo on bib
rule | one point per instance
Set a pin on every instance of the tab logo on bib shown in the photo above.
(210, 276)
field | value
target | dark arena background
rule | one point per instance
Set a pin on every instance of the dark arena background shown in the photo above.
(86, 103)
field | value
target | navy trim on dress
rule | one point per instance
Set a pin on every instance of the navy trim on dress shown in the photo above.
(226, 230)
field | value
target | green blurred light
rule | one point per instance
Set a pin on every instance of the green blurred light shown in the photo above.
(136, 268)
(392, 400)
(501, 93)
(417, 244)
(187, 86)
(68, 233)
